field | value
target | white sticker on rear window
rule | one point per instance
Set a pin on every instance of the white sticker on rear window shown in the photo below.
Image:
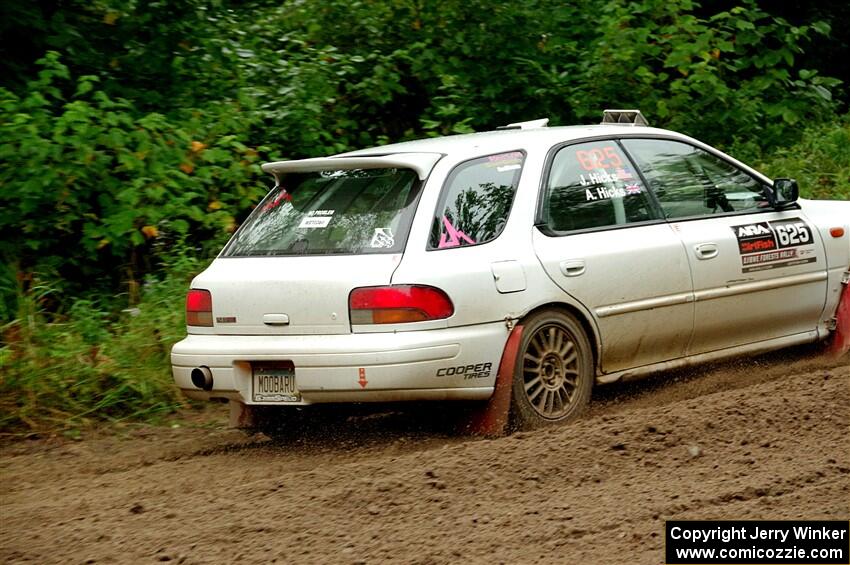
(315, 222)
(383, 238)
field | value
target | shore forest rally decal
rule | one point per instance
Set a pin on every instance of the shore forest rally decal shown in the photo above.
(781, 243)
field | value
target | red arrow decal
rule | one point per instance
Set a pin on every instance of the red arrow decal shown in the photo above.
(362, 380)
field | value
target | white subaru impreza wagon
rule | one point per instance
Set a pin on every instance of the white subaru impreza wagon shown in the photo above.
(555, 258)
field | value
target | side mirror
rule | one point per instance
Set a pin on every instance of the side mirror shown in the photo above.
(784, 193)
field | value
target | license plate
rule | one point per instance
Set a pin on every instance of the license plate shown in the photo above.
(275, 384)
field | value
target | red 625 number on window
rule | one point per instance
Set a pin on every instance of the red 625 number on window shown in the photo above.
(599, 158)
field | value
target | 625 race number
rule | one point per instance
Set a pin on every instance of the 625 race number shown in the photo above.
(599, 158)
(792, 234)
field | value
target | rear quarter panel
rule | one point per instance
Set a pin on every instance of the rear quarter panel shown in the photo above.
(467, 274)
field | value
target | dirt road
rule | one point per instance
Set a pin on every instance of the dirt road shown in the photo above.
(757, 439)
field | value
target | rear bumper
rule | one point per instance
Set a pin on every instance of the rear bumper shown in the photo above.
(415, 365)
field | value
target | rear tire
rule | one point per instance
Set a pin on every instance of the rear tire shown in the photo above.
(554, 371)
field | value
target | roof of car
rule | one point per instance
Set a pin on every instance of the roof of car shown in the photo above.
(506, 139)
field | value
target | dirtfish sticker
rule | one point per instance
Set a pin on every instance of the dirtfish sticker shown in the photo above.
(768, 245)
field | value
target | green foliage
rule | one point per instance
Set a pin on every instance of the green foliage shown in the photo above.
(820, 161)
(65, 371)
(404, 69)
(89, 182)
(731, 75)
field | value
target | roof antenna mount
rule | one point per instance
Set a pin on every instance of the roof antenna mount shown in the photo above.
(624, 117)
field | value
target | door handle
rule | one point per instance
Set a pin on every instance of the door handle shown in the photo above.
(573, 268)
(706, 250)
(276, 319)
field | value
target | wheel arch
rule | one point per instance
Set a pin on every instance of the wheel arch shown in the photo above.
(585, 321)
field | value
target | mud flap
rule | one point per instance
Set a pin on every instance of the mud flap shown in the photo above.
(242, 416)
(492, 418)
(840, 343)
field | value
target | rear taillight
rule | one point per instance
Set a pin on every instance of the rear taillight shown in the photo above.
(199, 308)
(398, 304)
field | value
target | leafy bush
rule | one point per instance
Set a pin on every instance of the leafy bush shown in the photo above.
(400, 70)
(820, 161)
(89, 184)
(63, 371)
(729, 76)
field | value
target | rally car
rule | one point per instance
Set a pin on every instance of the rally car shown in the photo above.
(556, 257)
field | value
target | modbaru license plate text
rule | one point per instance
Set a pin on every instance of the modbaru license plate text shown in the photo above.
(275, 384)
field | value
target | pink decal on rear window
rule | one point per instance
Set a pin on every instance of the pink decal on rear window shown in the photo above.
(282, 197)
(505, 156)
(453, 236)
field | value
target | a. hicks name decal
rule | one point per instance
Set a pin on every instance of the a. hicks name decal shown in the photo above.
(780, 243)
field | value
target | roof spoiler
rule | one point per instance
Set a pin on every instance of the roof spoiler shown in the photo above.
(624, 117)
(531, 124)
(422, 163)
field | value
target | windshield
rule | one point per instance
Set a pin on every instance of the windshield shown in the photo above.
(331, 212)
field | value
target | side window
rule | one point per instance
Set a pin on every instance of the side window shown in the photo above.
(593, 185)
(476, 201)
(691, 182)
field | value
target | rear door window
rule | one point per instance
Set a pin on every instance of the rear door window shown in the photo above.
(691, 182)
(331, 212)
(593, 185)
(476, 201)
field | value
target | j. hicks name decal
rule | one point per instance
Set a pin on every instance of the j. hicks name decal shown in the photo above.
(768, 245)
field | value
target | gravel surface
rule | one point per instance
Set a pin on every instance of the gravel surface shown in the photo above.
(765, 438)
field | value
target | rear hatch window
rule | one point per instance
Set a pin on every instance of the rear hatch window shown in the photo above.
(358, 211)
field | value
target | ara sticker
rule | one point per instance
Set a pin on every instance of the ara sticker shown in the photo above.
(382, 238)
(506, 168)
(768, 245)
(453, 236)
